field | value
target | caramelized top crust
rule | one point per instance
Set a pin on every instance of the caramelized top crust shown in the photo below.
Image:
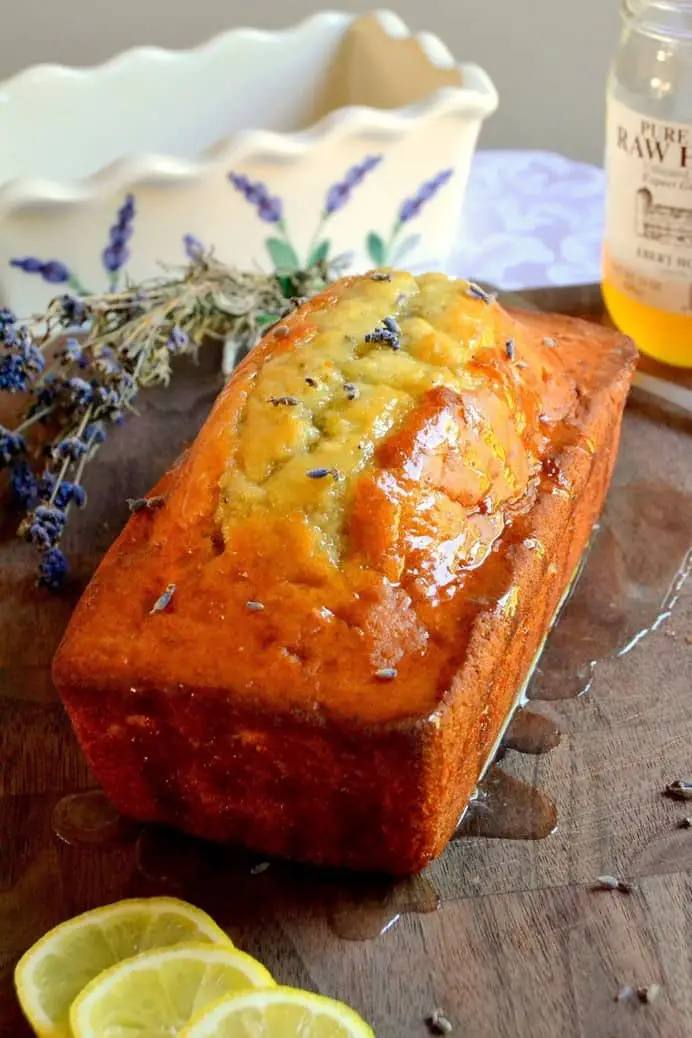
(441, 417)
(345, 507)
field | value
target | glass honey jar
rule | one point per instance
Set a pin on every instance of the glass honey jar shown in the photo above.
(647, 260)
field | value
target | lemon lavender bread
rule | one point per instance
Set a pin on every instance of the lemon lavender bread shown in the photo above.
(313, 644)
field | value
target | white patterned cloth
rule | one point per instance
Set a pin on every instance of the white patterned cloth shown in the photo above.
(531, 219)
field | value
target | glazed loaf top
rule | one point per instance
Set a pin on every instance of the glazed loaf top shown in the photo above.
(410, 398)
(347, 507)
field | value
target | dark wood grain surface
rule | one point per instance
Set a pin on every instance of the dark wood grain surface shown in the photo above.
(507, 936)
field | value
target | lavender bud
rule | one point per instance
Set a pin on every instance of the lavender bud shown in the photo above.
(194, 249)
(30, 264)
(52, 569)
(55, 272)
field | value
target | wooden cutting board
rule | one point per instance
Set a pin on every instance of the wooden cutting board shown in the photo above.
(507, 936)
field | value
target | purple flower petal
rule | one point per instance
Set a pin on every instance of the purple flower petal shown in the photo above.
(120, 235)
(74, 310)
(339, 193)
(23, 483)
(11, 446)
(116, 254)
(257, 194)
(52, 570)
(115, 257)
(271, 210)
(30, 264)
(240, 181)
(55, 272)
(337, 196)
(410, 207)
(193, 247)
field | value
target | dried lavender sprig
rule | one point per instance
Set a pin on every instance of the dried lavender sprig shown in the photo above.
(78, 389)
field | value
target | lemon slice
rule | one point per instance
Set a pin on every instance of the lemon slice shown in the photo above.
(277, 1013)
(53, 972)
(155, 994)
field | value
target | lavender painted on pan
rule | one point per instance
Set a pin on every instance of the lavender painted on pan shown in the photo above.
(269, 208)
(283, 253)
(411, 207)
(193, 247)
(340, 193)
(396, 247)
(116, 253)
(52, 271)
(114, 257)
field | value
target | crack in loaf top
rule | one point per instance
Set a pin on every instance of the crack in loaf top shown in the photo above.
(406, 396)
(331, 531)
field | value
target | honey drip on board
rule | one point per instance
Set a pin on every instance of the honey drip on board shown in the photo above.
(531, 732)
(358, 907)
(88, 818)
(506, 808)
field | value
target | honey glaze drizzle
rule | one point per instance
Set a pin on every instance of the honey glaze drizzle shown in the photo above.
(623, 593)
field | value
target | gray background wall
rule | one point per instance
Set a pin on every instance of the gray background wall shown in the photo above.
(549, 58)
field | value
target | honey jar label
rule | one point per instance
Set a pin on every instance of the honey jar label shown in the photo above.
(648, 252)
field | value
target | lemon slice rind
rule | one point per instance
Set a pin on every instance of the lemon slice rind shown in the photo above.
(207, 1023)
(96, 1010)
(44, 957)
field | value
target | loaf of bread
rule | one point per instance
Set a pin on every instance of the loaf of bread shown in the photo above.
(312, 646)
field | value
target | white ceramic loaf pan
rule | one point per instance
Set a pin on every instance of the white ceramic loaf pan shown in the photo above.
(274, 147)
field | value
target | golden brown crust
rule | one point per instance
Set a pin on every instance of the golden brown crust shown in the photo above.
(282, 726)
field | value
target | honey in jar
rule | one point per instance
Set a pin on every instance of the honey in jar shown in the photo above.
(647, 261)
